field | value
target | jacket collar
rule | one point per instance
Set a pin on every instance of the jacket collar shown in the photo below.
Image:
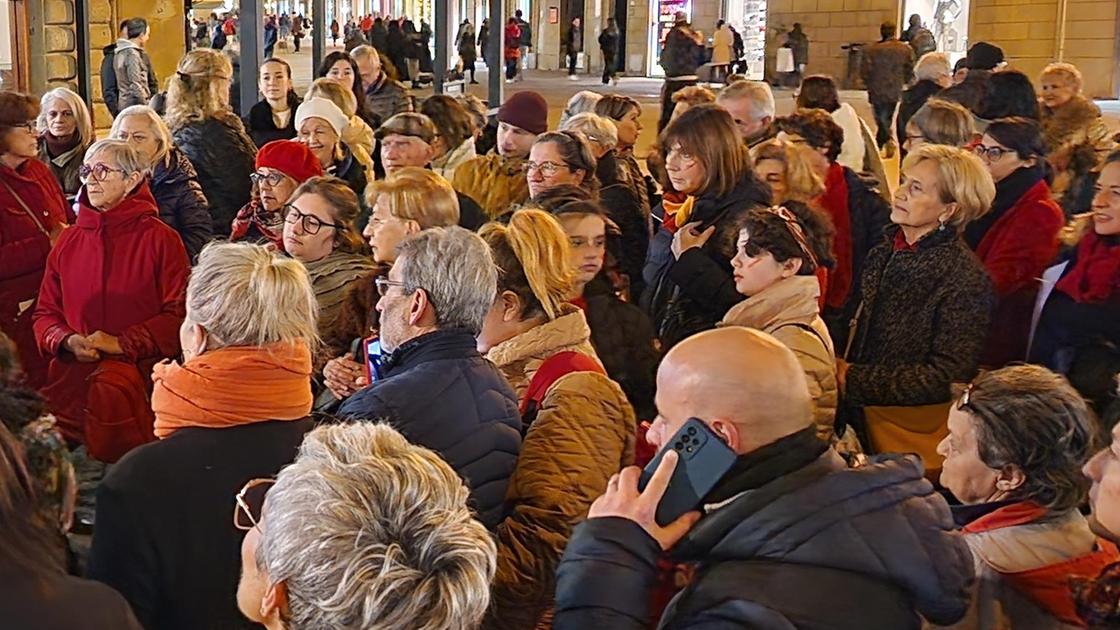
(1024, 184)
(936, 238)
(566, 331)
(748, 192)
(260, 115)
(131, 209)
(125, 44)
(176, 168)
(793, 299)
(452, 343)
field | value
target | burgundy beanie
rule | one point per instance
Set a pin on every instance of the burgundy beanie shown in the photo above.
(290, 158)
(527, 110)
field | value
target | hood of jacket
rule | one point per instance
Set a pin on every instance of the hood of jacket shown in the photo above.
(125, 44)
(892, 527)
(134, 207)
(177, 168)
(518, 358)
(789, 301)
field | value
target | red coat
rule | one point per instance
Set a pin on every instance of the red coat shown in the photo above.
(24, 249)
(123, 272)
(1015, 251)
(513, 42)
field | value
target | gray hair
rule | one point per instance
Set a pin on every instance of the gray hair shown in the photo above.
(583, 101)
(77, 105)
(364, 51)
(155, 125)
(122, 154)
(248, 295)
(932, 66)
(758, 93)
(369, 531)
(454, 266)
(599, 129)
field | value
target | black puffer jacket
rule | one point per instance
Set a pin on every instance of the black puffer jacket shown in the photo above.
(623, 338)
(619, 197)
(262, 128)
(224, 156)
(351, 171)
(440, 393)
(681, 55)
(687, 295)
(182, 205)
(785, 556)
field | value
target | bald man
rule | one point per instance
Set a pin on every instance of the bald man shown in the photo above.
(790, 537)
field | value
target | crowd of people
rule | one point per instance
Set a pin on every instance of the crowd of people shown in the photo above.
(421, 356)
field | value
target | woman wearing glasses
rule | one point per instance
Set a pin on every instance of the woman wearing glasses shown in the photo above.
(281, 166)
(110, 304)
(1018, 238)
(779, 252)
(923, 309)
(235, 409)
(209, 133)
(560, 158)
(34, 217)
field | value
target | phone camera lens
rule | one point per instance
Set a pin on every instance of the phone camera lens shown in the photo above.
(684, 438)
(679, 446)
(692, 430)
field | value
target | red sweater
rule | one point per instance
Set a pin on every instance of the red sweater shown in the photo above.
(123, 272)
(1015, 252)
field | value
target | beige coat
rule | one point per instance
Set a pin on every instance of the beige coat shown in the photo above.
(495, 182)
(723, 45)
(359, 137)
(584, 433)
(446, 164)
(788, 311)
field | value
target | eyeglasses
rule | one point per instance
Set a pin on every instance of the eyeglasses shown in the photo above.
(98, 172)
(311, 223)
(383, 285)
(547, 169)
(272, 179)
(29, 126)
(248, 503)
(992, 154)
(796, 231)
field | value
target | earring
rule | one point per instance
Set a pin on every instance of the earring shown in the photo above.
(941, 225)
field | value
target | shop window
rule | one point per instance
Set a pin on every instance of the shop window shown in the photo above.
(664, 10)
(946, 19)
(748, 17)
(13, 45)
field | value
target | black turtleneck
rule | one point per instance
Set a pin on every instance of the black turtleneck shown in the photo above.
(761, 466)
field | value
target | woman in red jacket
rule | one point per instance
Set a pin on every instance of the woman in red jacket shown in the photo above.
(32, 215)
(1018, 238)
(110, 305)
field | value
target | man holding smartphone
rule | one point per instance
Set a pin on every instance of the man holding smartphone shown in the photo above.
(790, 536)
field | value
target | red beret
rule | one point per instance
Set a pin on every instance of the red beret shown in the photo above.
(290, 158)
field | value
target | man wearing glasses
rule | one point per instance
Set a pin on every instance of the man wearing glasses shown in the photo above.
(282, 165)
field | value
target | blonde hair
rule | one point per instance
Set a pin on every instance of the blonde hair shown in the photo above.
(961, 178)
(694, 95)
(77, 105)
(1067, 71)
(417, 194)
(155, 125)
(248, 295)
(945, 122)
(802, 182)
(597, 129)
(370, 531)
(932, 66)
(198, 89)
(344, 209)
(534, 261)
(335, 93)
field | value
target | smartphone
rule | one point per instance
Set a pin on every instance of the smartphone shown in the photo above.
(703, 459)
(368, 353)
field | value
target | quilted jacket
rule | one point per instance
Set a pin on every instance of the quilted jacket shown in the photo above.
(224, 156)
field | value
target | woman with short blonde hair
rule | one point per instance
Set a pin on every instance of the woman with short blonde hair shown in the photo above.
(939, 122)
(1077, 138)
(408, 201)
(787, 169)
(65, 132)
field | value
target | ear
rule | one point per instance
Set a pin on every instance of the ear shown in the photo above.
(411, 227)
(274, 604)
(1010, 478)
(418, 308)
(511, 307)
(728, 432)
(951, 210)
(791, 267)
(1031, 162)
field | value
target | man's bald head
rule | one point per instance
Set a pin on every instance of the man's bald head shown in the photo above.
(736, 376)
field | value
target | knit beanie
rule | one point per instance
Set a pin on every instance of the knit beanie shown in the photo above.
(319, 107)
(291, 158)
(525, 110)
(984, 56)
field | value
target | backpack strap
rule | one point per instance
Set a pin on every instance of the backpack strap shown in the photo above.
(552, 370)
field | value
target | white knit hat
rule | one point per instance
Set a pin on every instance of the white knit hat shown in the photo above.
(322, 108)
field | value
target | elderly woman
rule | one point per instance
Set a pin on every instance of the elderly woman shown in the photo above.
(626, 114)
(174, 182)
(66, 131)
(36, 217)
(560, 158)
(273, 117)
(688, 270)
(235, 409)
(1017, 240)
(924, 308)
(788, 169)
(313, 556)
(932, 73)
(1077, 138)
(580, 102)
(357, 135)
(110, 304)
(617, 194)
(209, 134)
(1017, 440)
(319, 232)
(454, 143)
(281, 167)
(320, 124)
(581, 427)
(939, 122)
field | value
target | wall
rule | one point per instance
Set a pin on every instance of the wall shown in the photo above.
(829, 25)
(638, 24)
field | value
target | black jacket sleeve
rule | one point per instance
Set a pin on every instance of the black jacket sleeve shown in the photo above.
(705, 282)
(193, 218)
(123, 555)
(624, 208)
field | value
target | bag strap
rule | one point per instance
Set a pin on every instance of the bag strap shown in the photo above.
(38, 223)
(552, 370)
(853, 328)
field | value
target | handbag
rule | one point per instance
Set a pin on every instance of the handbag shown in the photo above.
(118, 414)
(785, 60)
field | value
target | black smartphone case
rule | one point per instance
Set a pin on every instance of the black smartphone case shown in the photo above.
(703, 459)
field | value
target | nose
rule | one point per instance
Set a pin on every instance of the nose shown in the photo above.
(1092, 467)
(943, 447)
(1099, 200)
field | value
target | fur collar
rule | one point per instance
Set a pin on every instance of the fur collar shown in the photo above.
(1060, 126)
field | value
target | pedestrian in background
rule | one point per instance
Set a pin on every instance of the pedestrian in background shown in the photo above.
(573, 46)
(887, 67)
(512, 47)
(525, 42)
(608, 45)
(681, 55)
(467, 48)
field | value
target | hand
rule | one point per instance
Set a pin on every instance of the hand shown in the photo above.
(623, 500)
(687, 237)
(344, 376)
(81, 348)
(105, 343)
(842, 373)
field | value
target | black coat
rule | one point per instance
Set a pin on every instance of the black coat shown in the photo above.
(379, 37)
(165, 537)
(224, 156)
(262, 128)
(623, 338)
(619, 197)
(784, 556)
(608, 42)
(440, 393)
(688, 295)
(912, 100)
(349, 170)
(182, 205)
(471, 215)
(62, 602)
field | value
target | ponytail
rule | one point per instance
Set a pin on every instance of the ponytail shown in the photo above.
(534, 261)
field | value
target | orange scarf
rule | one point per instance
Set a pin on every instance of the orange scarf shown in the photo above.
(233, 386)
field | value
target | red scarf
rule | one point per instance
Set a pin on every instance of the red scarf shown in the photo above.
(1095, 278)
(834, 201)
(269, 224)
